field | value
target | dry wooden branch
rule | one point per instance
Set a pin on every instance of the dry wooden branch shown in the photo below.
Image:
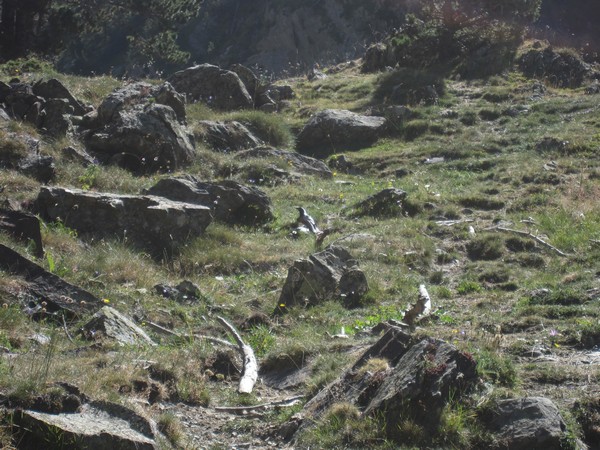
(421, 308)
(262, 407)
(66, 329)
(449, 223)
(250, 371)
(534, 237)
(212, 339)
(161, 329)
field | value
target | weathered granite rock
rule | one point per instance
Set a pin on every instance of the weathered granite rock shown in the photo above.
(130, 95)
(386, 203)
(55, 117)
(423, 381)
(98, 425)
(78, 155)
(110, 323)
(40, 167)
(149, 133)
(154, 223)
(301, 163)
(329, 274)
(420, 378)
(219, 88)
(45, 287)
(24, 226)
(140, 126)
(527, 423)
(332, 131)
(265, 96)
(229, 201)
(46, 104)
(249, 78)
(165, 94)
(21, 103)
(54, 89)
(226, 136)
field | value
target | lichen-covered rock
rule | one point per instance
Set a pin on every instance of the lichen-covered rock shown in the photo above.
(140, 127)
(329, 274)
(333, 131)
(110, 323)
(219, 88)
(24, 226)
(228, 200)
(130, 95)
(48, 293)
(420, 377)
(302, 164)
(386, 203)
(53, 88)
(153, 223)
(527, 423)
(97, 424)
(150, 134)
(226, 136)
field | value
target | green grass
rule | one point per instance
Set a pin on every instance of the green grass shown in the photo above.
(493, 173)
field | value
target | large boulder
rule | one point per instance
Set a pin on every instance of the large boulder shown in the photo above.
(331, 131)
(143, 138)
(218, 88)
(303, 164)
(326, 275)
(138, 93)
(229, 201)
(225, 136)
(153, 223)
(47, 294)
(141, 128)
(95, 424)
(20, 101)
(53, 88)
(421, 376)
(526, 423)
(46, 104)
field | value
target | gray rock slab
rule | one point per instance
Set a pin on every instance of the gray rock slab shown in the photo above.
(98, 425)
(154, 223)
(334, 131)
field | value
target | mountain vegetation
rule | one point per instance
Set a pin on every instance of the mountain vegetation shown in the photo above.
(442, 277)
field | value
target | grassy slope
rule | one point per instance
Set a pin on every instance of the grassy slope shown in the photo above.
(480, 286)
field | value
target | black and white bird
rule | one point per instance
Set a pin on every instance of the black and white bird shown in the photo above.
(304, 219)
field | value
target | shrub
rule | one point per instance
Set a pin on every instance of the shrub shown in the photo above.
(409, 87)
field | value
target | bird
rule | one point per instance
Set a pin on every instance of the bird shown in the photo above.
(304, 219)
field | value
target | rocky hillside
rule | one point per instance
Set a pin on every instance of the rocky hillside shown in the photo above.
(344, 260)
(289, 36)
